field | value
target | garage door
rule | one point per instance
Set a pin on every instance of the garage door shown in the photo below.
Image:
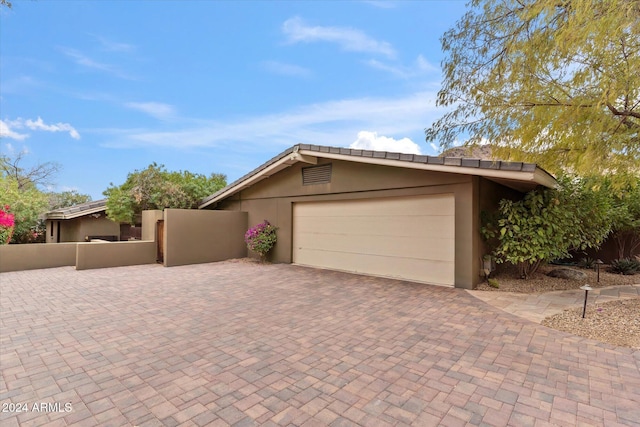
(402, 237)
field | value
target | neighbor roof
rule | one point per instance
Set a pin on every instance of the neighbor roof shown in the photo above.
(77, 210)
(517, 175)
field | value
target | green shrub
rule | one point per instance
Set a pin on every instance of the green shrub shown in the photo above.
(588, 263)
(626, 266)
(547, 223)
(494, 283)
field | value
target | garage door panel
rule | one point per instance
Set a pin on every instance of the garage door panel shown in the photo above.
(436, 205)
(394, 246)
(403, 237)
(436, 272)
(417, 226)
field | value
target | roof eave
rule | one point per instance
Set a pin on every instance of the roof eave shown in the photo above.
(537, 176)
(523, 176)
(62, 215)
(283, 163)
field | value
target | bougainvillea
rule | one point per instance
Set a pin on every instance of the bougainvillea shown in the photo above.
(7, 223)
(261, 238)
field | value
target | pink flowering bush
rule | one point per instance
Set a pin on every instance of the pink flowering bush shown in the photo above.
(7, 223)
(261, 238)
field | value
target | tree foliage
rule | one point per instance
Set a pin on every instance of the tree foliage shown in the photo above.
(26, 205)
(548, 223)
(548, 81)
(157, 188)
(34, 176)
(21, 190)
(65, 199)
(625, 218)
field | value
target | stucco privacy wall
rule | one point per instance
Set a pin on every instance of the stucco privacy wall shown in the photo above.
(114, 254)
(273, 199)
(149, 220)
(192, 237)
(36, 255)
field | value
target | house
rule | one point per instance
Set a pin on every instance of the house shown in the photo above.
(84, 222)
(387, 214)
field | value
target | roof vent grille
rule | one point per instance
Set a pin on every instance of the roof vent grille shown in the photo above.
(316, 174)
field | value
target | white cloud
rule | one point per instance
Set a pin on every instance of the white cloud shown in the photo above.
(421, 66)
(286, 69)
(58, 127)
(382, 4)
(349, 39)
(424, 65)
(434, 147)
(7, 132)
(372, 141)
(327, 123)
(87, 62)
(155, 109)
(112, 46)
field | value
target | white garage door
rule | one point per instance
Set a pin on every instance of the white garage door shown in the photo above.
(403, 237)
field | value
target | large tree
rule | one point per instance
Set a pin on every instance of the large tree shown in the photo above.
(24, 190)
(555, 82)
(157, 188)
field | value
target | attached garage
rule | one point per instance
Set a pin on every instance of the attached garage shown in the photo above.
(397, 215)
(401, 237)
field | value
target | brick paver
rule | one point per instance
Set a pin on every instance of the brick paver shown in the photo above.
(244, 344)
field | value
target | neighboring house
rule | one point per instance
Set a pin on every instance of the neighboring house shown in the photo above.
(387, 214)
(81, 223)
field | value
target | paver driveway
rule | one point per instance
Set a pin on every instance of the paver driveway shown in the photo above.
(246, 344)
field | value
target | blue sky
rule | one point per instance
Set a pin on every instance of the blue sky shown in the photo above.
(107, 87)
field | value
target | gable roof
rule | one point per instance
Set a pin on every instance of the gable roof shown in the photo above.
(77, 210)
(517, 175)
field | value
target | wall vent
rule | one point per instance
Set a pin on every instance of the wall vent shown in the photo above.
(316, 174)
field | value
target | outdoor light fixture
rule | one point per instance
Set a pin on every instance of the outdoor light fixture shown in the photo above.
(586, 289)
(598, 264)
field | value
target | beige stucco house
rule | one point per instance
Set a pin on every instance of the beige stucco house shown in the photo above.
(387, 214)
(81, 222)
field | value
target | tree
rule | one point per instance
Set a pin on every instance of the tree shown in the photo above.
(626, 221)
(548, 81)
(548, 223)
(6, 3)
(66, 199)
(20, 189)
(157, 188)
(26, 205)
(40, 174)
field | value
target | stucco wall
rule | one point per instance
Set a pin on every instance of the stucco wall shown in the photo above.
(75, 230)
(36, 255)
(114, 254)
(272, 199)
(192, 236)
(490, 194)
(149, 220)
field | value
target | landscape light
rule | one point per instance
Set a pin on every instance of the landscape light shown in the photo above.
(586, 289)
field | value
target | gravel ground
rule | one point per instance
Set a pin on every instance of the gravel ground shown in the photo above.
(614, 322)
(509, 281)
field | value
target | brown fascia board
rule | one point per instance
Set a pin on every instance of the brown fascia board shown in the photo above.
(517, 171)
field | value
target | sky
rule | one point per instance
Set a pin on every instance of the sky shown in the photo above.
(106, 87)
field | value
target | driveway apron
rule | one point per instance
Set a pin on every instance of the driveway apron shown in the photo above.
(239, 343)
